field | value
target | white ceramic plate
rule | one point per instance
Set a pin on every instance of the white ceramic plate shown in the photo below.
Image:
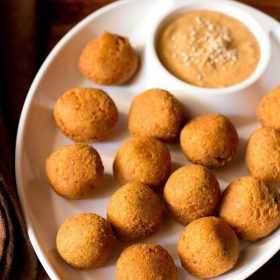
(38, 135)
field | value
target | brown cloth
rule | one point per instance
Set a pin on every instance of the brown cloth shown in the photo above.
(18, 260)
(19, 63)
(24, 28)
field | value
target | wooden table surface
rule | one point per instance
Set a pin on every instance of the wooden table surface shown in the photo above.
(64, 14)
(270, 7)
(61, 15)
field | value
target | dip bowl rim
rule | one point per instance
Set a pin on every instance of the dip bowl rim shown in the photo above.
(228, 8)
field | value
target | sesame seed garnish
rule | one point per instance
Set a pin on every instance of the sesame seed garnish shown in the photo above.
(198, 20)
(210, 27)
(193, 33)
(208, 42)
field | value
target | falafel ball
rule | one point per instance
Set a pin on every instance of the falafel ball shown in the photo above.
(145, 262)
(156, 113)
(108, 60)
(208, 247)
(143, 159)
(191, 192)
(251, 207)
(269, 109)
(85, 114)
(85, 241)
(134, 211)
(263, 155)
(209, 140)
(73, 171)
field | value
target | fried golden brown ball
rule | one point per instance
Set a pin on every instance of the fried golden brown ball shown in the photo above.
(263, 155)
(191, 192)
(251, 207)
(208, 247)
(145, 262)
(134, 211)
(269, 109)
(156, 113)
(108, 60)
(209, 140)
(85, 114)
(85, 240)
(73, 171)
(142, 159)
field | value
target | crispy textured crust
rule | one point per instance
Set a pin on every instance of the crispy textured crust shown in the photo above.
(85, 114)
(142, 159)
(208, 247)
(269, 109)
(209, 140)
(156, 113)
(85, 241)
(263, 155)
(134, 211)
(108, 60)
(145, 262)
(191, 192)
(74, 170)
(251, 207)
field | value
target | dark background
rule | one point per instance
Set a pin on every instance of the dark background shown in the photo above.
(29, 29)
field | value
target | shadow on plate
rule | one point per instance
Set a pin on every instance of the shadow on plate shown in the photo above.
(236, 166)
(168, 228)
(106, 187)
(41, 209)
(240, 121)
(119, 247)
(120, 130)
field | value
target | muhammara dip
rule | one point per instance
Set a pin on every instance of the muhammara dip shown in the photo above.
(208, 49)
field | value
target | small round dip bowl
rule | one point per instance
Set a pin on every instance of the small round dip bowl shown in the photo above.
(209, 95)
